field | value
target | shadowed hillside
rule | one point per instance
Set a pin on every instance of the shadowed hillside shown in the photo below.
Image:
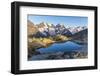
(81, 36)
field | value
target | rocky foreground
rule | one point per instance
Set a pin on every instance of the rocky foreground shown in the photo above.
(59, 55)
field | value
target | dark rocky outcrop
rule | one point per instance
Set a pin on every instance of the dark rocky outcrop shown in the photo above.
(81, 36)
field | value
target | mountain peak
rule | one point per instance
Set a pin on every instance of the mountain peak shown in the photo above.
(30, 22)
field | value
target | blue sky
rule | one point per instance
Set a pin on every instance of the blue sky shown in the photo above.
(66, 20)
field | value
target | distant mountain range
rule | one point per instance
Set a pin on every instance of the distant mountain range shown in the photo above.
(44, 29)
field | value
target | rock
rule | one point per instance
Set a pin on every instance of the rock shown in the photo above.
(59, 57)
(66, 57)
(51, 57)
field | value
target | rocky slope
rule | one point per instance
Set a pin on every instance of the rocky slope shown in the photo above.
(81, 36)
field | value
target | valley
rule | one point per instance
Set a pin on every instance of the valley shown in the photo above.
(42, 36)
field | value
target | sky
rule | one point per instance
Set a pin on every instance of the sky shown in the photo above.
(65, 20)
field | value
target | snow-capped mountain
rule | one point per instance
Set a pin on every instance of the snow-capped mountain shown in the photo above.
(47, 29)
(52, 30)
(74, 30)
